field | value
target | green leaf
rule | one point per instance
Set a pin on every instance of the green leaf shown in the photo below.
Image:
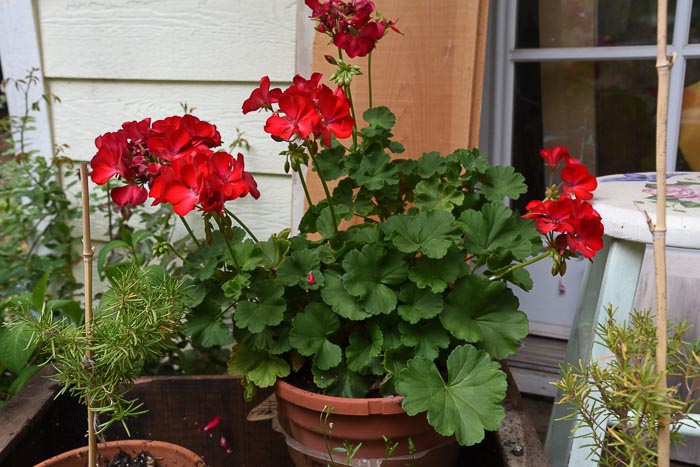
(427, 338)
(295, 269)
(104, 252)
(331, 162)
(503, 181)
(431, 163)
(472, 160)
(274, 250)
(376, 171)
(418, 304)
(202, 262)
(205, 327)
(39, 292)
(268, 310)
(247, 255)
(233, 288)
(434, 194)
(363, 349)
(340, 300)
(467, 404)
(369, 274)
(437, 273)
(310, 332)
(481, 311)
(429, 232)
(496, 227)
(380, 117)
(349, 384)
(69, 308)
(15, 351)
(258, 366)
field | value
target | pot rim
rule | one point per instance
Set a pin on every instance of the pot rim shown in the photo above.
(127, 444)
(390, 405)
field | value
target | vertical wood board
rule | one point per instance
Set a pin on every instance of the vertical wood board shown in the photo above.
(430, 76)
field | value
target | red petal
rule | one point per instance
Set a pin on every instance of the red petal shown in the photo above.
(212, 423)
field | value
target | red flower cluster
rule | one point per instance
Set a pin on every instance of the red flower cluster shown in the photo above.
(174, 159)
(305, 108)
(352, 24)
(566, 211)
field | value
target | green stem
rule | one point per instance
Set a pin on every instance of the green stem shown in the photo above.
(348, 92)
(189, 231)
(517, 266)
(369, 77)
(303, 185)
(217, 217)
(326, 191)
(242, 224)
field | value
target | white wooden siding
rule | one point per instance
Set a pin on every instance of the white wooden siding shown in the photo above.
(190, 40)
(118, 60)
(89, 108)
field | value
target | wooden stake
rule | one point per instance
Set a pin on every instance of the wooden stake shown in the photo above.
(88, 252)
(663, 67)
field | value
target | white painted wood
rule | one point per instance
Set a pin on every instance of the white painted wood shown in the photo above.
(91, 108)
(19, 53)
(184, 40)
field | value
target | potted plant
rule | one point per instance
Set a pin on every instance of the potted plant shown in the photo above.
(397, 282)
(136, 319)
(617, 399)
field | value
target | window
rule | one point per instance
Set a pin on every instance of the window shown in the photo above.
(581, 73)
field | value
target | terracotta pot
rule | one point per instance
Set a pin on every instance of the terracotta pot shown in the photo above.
(166, 454)
(366, 421)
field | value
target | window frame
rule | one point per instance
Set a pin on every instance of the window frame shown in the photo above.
(502, 56)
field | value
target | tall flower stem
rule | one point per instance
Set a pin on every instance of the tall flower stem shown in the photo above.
(189, 231)
(369, 78)
(515, 267)
(348, 92)
(222, 228)
(326, 190)
(305, 187)
(242, 224)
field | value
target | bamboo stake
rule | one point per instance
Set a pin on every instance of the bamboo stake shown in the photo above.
(88, 252)
(663, 67)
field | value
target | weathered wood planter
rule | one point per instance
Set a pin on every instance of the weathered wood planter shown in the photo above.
(35, 425)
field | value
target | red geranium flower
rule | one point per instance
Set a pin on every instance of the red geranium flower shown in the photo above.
(552, 156)
(297, 115)
(577, 180)
(262, 97)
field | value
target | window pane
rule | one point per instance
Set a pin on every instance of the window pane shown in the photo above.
(588, 23)
(695, 23)
(604, 112)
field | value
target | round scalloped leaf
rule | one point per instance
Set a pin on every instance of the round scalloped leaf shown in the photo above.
(431, 233)
(481, 311)
(467, 404)
(309, 335)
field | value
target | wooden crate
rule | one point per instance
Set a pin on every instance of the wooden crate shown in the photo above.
(35, 425)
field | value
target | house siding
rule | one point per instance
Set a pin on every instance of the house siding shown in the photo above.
(113, 61)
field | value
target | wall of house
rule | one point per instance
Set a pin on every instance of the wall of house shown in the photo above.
(121, 60)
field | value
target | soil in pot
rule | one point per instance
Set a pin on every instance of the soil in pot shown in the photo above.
(164, 455)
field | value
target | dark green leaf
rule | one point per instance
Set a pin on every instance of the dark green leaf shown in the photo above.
(417, 304)
(503, 181)
(465, 405)
(429, 232)
(481, 311)
(310, 332)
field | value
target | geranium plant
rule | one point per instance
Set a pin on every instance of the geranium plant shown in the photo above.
(398, 280)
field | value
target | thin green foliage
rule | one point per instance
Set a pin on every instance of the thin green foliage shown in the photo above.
(617, 397)
(134, 323)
